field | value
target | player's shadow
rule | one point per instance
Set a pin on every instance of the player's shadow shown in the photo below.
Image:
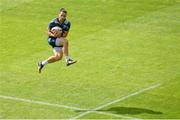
(127, 110)
(130, 110)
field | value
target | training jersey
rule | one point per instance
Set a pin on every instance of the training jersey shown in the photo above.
(55, 22)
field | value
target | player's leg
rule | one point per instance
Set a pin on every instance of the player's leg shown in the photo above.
(65, 47)
(65, 44)
(57, 49)
(58, 54)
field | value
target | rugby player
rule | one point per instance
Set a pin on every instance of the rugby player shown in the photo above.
(57, 40)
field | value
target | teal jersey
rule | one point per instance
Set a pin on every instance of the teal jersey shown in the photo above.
(65, 26)
(55, 22)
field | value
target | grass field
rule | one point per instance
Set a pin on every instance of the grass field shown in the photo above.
(128, 54)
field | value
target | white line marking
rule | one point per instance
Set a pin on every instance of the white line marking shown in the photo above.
(39, 102)
(117, 100)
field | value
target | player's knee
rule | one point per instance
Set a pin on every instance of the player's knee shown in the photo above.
(58, 57)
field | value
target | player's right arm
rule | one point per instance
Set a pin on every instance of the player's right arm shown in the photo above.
(66, 29)
(50, 33)
(50, 25)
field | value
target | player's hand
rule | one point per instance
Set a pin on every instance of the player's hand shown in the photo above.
(57, 33)
(51, 33)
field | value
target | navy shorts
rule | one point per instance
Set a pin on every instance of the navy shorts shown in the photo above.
(54, 42)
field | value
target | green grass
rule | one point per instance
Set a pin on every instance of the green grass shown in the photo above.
(122, 46)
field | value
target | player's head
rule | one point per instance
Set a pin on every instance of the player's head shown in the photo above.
(62, 14)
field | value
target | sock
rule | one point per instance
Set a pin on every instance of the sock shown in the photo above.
(44, 62)
(67, 58)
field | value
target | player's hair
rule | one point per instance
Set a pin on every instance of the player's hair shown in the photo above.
(63, 10)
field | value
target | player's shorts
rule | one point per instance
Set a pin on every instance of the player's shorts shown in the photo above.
(57, 49)
(54, 43)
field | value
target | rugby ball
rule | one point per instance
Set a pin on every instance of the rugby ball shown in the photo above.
(56, 28)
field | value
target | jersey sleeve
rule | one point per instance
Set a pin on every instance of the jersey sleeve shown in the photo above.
(51, 24)
(68, 25)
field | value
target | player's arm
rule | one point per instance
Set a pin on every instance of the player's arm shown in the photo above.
(66, 30)
(64, 34)
(50, 33)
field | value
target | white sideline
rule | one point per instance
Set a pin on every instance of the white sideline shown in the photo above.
(39, 102)
(117, 100)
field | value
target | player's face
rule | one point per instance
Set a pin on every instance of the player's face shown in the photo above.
(62, 16)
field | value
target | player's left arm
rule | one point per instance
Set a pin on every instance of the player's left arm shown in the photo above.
(65, 33)
(66, 30)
